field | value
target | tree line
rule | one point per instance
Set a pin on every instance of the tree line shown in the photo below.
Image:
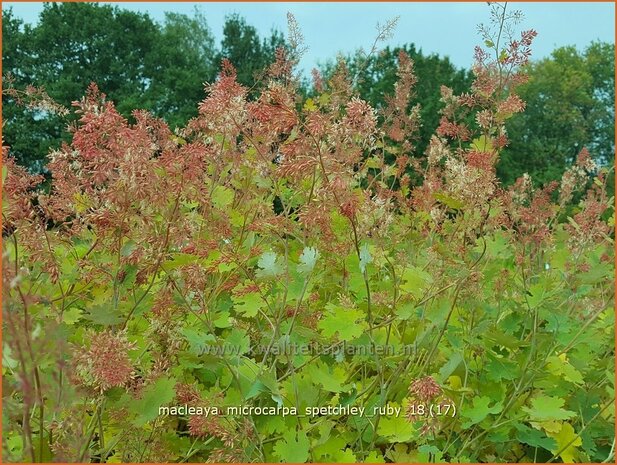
(161, 67)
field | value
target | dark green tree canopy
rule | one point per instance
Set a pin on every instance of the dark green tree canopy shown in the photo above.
(64, 54)
(183, 61)
(136, 62)
(107, 49)
(570, 105)
(243, 47)
(27, 133)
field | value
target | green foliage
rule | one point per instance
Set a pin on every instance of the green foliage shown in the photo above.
(308, 259)
(248, 52)
(182, 59)
(293, 448)
(343, 322)
(64, 54)
(135, 61)
(544, 408)
(270, 267)
(154, 396)
(266, 288)
(570, 105)
(479, 410)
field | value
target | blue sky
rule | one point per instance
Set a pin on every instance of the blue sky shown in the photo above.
(449, 29)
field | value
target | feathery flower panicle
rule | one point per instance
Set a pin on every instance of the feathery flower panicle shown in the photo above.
(519, 51)
(452, 130)
(18, 190)
(283, 65)
(187, 394)
(425, 389)
(318, 124)
(274, 110)
(360, 116)
(32, 97)
(588, 227)
(315, 217)
(102, 130)
(69, 433)
(224, 109)
(522, 189)
(106, 363)
(437, 151)
(297, 168)
(318, 82)
(349, 208)
(484, 161)
(109, 168)
(202, 426)
(531, 211)
(485, 119)
(20, 214)
(576, 177)
(401, 124)
(512, 104)
(228, 431)
(585, 162)
(295, 39)
(472, 183)
(424, 392)
(339, 86)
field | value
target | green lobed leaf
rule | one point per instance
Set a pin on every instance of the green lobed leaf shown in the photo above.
(146, 408)
(293, 448)
(308, 259)
(269, 265)
(396, 428)
(546, 408)
(222, 197)
(479, 410)
(348, 324)
(534, 438)
(249, 304)
(415, 281)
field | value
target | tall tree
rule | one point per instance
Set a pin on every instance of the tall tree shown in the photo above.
(64, 54)
(246, 50)
(109, 49)
(135, 61)
(27, 130)
(183, 60)
(570, 105)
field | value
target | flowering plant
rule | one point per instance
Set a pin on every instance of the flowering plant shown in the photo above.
(175, 268)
